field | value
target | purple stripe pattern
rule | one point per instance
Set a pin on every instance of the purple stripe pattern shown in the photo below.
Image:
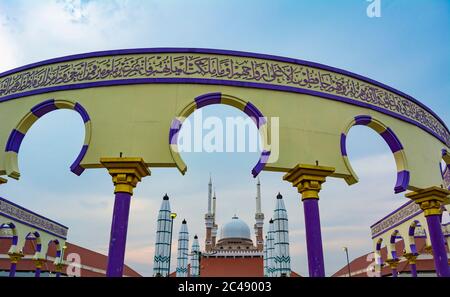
(254, 114)
(343, 145)
(76, 167)
(14, 141)
(174, 129)
(392, 140)
(44, 108)
(83, 113)
(208, 99)
(261, 163)
(363, 120)
(402, 181)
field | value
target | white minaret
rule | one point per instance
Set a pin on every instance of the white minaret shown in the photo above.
(266, 274)
(183, 251)
(162, 243)
(209, 195)
(209, 220)
(215, 227)
(281, 236)
(259, 219)
(270, 251)
(195, 258)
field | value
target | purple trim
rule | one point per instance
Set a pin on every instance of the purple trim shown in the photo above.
(15, 240)
(12, 270)
(32, 212)
(253, 112)
(229, 83)
(363, 120)
(174, 129)
(118, 238)
(394, 272)
(379, 243)
(14, 141)
(343, 145)
(413, 270)
(313, 238)
(444, 152)
(76, 167)
(438, 245)
(392, 212)
(395, 225)
(402, 181)
(261, 163)
(413, 248)
(219, 52)
(208, 99)
(83, 113)
(44, 107)
(392, 140)
(37, 272)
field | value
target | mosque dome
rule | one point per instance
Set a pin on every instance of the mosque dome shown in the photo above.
(236, 228)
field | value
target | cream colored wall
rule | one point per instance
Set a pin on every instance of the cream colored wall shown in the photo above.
(136, 119)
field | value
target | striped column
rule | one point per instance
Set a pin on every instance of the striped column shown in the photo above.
(162, 243)
(195, 258)
(183, 251)
(281, 243)
(14, 258)
(270, 250)
(266, 274)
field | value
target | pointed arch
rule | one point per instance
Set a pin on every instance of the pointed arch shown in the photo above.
(18, 134)
(219, 98)
(391, 140)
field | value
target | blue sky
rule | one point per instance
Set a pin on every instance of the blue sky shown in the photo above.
(406, 48)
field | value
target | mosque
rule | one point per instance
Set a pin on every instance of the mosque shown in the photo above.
(235, 252)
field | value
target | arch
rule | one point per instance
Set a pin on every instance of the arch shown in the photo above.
(14, 238)
(219, 98)
(412, 236)
(18, 133)
(378, 256)
(58, 249)
(35, 235)
(392, 248)
(392, 141)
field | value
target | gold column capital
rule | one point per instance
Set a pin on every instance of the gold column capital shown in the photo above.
(308, 179)
(15, 257)
(39, 263)
(393, 263)
(428, 249)
(125, 172)
(430, 199)
(410, 257)
(3, 180)
(59, 267)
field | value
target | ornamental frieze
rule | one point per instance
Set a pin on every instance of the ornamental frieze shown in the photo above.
(397, 217)
(216, 67)
(32, 219)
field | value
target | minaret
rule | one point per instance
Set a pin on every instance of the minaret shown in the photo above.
(162, 244)
(266, 274)
(270, 251)
(215, 227)
(259, 219)
(195, 258)
(281, 236)
(183, 251)
(209, 219)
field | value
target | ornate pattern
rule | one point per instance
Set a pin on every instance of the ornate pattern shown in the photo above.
(32, 219)
(446, 177)
(167, 66)
(395, 218)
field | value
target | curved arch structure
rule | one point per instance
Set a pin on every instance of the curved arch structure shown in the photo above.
(392, 141)
(133, 96)
(18, 134)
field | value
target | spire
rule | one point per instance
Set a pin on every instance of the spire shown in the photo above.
(214, 204)
(183, 251)
(163, 230)
(166, 197)
(279, 196)
(258, 197)
(281, 238)
(184, 221)
(195, 258)
(209, 195)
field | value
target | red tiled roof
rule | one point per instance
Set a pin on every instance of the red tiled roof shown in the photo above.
(88, 258)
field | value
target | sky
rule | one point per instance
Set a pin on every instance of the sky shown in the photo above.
(407, 48)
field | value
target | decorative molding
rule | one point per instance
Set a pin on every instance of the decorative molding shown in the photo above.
(407, 211)
(217, 67)
(15, 212)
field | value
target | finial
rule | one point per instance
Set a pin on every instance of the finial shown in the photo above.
(195, 237)
(271, 221)
(184, 221)
(166, 197)
(279, 196)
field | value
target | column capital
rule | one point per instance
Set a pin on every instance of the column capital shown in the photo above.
(125, 172)
(410, 257)
(393, 263)
(308, 179)
(430, 199)
(15, 257)
(59, 267)
(3, 180)
(428, 249)
(39, 262)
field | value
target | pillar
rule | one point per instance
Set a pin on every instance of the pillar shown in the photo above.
(38, 263)
(430, 201)
(393, 264)
(412, 263)
(309, 179)
(126, 173)
(58, 269)
(15, 258)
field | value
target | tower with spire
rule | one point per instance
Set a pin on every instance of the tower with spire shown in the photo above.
(215, 227)
(195, 258)
(281, 239)
(162, 243)
(209, 219)
(270, 250)
(259, 219)
(183, 251)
